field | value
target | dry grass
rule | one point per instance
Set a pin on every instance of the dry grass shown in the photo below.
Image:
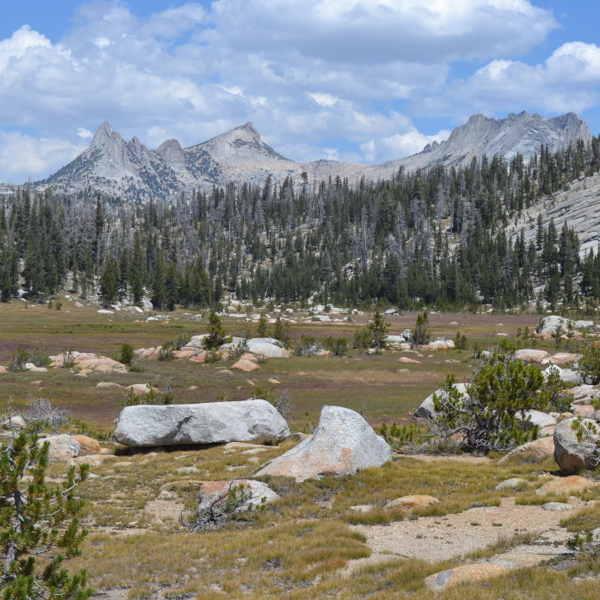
(299, 547)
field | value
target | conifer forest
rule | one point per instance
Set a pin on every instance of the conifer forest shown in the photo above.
(429, 238)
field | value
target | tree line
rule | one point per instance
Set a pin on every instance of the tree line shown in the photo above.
(435, 238)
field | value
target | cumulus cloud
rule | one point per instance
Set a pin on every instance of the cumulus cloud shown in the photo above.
(567, 81)
(362, 31)
(23, 157)
(305, 72)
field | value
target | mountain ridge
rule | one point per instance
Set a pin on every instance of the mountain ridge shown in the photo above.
(131, 171)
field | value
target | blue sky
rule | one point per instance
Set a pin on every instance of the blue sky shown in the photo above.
(355, 80)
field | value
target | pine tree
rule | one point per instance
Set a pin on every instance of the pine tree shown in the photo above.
(38, 519)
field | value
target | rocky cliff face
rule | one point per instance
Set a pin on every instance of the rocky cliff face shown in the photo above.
(517, 134)
(129, 170)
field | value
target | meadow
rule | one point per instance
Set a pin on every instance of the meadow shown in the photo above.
(309, 544)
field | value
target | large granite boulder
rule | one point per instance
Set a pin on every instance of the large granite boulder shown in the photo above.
(573, 452)
(209, 423)
(267, 348)
(548, 325)
(342, 444)
(427, 410)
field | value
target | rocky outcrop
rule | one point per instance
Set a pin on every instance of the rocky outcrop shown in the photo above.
(574, 451)
(548, 326)
(210, 423)
(342, 444)
(88, 362)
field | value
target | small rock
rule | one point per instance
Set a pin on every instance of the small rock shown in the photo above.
(465, 574)
(87, 445)
(512, 484)
(556, 506)
(15, 422)
(409, 361)
(62, 447)
(109, 385)
(362, 508)
(415, 501)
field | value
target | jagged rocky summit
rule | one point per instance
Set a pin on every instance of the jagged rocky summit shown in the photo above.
(129, 170)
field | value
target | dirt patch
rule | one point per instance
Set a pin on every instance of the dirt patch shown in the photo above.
(442, 538)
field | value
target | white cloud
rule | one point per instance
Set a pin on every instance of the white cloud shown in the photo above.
(326, 100)
(368, 32)
(567, 81)
(399, 145)
(24, 157)
(84, 133)
(303, 71)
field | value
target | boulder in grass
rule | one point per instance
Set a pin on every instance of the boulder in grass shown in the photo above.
(427, 410)
(87, 445)
(572, 451)
(565, 375)
(531, 452)
(62, 447)
(109, 385)
(14, 422)
(565, 485)
(535, 417)
(564, 359)
(245, 365)
(413, 501)
(253, 493)
(470, 573)
(529, 355)
(342, 444)
(267, 348)
(548, 326)
(209, 423)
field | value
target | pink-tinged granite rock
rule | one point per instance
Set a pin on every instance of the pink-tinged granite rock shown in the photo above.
(245, 365)
(342, 444)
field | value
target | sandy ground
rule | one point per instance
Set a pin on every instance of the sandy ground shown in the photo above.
(452, 536)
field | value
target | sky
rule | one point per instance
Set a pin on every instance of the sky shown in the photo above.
(354, 80)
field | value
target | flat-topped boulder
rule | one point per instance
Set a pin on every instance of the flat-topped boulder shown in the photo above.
(342, 444)
(268, 347)
(209, 423)
(531, 355)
